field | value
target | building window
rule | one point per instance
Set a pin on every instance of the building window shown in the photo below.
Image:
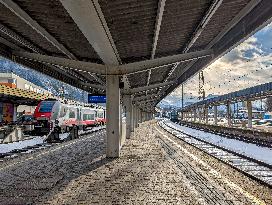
(26, 86)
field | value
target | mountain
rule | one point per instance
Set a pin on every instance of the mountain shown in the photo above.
(50, 84)
(175, 102)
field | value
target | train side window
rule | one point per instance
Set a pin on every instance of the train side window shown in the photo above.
(78, 114)
(56, 111)
(85, 117)
(72, 114)
(63, 111)
(100, 114)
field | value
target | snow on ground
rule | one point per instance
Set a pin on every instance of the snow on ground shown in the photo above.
(63, 135)
(252, 150)
(4, 148)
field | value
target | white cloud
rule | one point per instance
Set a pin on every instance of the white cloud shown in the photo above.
(245, 66)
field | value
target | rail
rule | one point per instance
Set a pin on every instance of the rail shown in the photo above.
(255, 169)
(46, 144)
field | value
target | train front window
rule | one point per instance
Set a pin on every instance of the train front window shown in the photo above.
(100, 114)
(72, 114)
(46, 106)
(88, 116)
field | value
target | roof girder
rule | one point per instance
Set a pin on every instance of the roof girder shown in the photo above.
(31, 22)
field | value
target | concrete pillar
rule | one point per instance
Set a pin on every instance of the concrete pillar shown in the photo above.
(145, 116)
(137, 117)
(249, 113)
(121, 121)
(203, 114)
(132, 118)
(229, 114)
(199, 114)
(215, 114)
(206, 111)
(128, 108)
(113, 116)
(194, 114)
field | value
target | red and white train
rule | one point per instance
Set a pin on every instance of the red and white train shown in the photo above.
(48, 113)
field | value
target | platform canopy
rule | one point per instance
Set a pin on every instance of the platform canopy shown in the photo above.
(154, 45)
(21, 97)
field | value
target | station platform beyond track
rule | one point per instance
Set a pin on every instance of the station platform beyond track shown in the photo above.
(154, 168)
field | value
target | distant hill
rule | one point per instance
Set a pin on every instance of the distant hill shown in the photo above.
(44, 81)
(175, 102)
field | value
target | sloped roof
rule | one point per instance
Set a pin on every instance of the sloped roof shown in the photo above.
(20, 96)
(131, 26)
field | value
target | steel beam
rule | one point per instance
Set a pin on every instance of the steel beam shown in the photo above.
(114, 70)
(211, 11)
(99, 87)
(148, 64)
(86, 13)
(9, 44)
(146, 97)
(171, 72)
(246, 10)
(160, 11)
(22, 41)
(226, 29)
(99, 80)
(145, 101)
(33, 24)
(251, 5)
(205, 20)
(150, 87)
(64, 62)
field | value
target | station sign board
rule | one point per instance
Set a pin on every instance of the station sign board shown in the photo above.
(96, 98)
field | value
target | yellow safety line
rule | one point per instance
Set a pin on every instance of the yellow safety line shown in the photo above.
(216, 173)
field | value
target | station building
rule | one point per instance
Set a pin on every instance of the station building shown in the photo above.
(18, 96)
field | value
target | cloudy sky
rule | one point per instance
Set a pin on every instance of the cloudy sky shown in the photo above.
(247, 65)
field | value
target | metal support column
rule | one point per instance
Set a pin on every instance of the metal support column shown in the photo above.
(215, 114)
(132, 118)
(249, 113)
(199, 114)
(145, 116)
(113, 116)
(194, 114)
(128, 108)
(229, 114)
(206, 114)
(137, 117)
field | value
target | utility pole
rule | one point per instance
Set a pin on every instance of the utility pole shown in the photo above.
(201, 90)
(182, 101)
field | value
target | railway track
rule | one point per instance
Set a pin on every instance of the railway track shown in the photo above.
(240, 137)
(34, 148)
(255, 169)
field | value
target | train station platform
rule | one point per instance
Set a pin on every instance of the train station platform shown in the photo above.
(154, 168)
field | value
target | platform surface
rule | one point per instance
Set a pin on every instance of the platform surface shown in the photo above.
(153, 168)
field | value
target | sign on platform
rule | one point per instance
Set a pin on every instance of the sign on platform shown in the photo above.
(96, 98)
